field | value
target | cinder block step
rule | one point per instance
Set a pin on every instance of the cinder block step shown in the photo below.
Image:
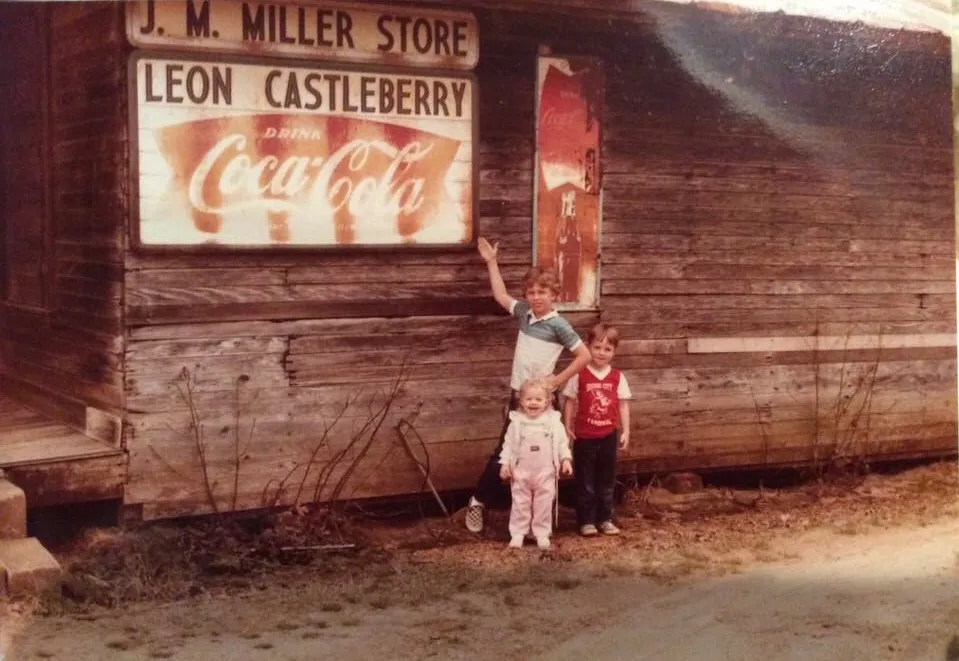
(27, 568)
(13, 511)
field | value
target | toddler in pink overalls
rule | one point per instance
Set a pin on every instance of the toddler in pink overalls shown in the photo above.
(535, 452)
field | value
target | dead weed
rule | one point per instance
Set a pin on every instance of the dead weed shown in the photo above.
(393, 564)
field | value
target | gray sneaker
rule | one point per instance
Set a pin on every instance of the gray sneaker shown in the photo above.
(589, 530)
(609, 528)
(474, 516)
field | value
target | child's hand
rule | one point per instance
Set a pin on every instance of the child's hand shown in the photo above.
(487, 251)
(505, 473)
(566, 468)
(624, 440)
(550, 382)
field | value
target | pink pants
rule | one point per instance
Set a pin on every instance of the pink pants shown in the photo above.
(533, 495)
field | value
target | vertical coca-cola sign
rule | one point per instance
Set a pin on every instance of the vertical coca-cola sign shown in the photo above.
(235, 154)
(568, 134)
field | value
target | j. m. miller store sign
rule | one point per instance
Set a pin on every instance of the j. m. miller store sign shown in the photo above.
(358, 32)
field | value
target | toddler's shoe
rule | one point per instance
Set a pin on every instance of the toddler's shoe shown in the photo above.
(474, 516)
(609, 528)
(589, 530)
(542, 543)
(516, 542)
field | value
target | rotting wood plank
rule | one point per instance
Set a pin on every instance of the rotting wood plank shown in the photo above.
(818, 343)
(82, 479)
(746, 285)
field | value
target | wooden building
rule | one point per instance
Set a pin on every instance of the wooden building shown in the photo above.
(776, 243)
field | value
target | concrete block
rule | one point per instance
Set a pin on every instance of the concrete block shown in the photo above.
(13, 511)
(28, 568)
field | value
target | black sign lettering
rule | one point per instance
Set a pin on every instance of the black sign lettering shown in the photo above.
(442, 38)
(201, 85)
(439, 99)
(421, 97)
(254, 28)
(197, 84)
(422, 36)
(344, 27)
(382, 24)
(197, 25)
(151, 19)
(404, 22)
(223, 85)
(403, 94)
(315, 30)
(367, 92)
(332, 79)
(271, 23)
(459, 93)
(312, 91)
(148, 89)
(387, 96)
(324, 24)
(292, 93)
(284, 37)
(173, 81)
(348, 104)
(459, 38)
(301, 28)
(268, 88)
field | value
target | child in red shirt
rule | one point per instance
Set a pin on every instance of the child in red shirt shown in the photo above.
(596, 412)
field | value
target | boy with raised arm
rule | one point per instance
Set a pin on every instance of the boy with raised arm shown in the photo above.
(543, 334)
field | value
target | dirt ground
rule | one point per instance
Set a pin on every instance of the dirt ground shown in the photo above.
(851, 568)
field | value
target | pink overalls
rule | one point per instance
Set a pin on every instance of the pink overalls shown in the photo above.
(533, 449)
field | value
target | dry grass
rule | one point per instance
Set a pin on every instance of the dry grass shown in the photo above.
(397, 566)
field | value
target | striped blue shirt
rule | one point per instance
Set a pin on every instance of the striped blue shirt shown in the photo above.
(539, 343)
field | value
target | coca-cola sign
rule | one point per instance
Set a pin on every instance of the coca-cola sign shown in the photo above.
(251, 155)
(568, 184)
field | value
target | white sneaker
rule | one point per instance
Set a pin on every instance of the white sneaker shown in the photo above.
(589, 530)
(542, 543)
(474, 515)
(609, 528)
(516, 542)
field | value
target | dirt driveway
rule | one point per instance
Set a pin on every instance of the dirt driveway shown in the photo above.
(859, 571)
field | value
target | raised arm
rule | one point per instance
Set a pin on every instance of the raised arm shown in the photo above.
(488, 253)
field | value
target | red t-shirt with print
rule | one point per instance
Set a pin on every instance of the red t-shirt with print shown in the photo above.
(597, 411)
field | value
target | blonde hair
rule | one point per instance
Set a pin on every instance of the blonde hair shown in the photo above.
(544, 277)
(603, 331)
(531, 384)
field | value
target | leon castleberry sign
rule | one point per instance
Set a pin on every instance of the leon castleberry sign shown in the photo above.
(263, 154)
(329, 30)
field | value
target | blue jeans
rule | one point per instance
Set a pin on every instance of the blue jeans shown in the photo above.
(594, 471)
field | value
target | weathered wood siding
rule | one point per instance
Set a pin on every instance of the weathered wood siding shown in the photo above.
(765, 177)
(64, 203)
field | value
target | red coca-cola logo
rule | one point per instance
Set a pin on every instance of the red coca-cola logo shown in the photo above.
(342, 170)
(555, 118)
